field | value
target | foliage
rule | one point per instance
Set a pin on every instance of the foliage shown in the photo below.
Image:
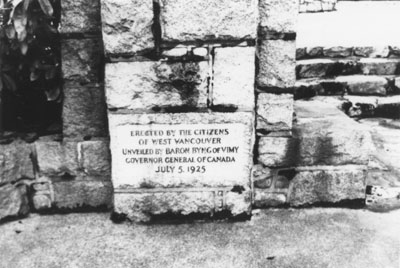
(30, 59)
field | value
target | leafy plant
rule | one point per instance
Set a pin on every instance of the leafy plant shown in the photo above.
(30, 63)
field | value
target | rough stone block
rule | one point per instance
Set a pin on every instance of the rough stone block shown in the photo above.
(220, 142)
(365, 85)
(77, 194)
(127, 26)
(338, 52)
(15, 161)
(332, 142)
(307, 88)
(331, 139)
(380, 66)
(278, 187)
(95, 157)
(262, 177)
(233, 79)
(142, 206)
(326, 136)
(84, 112)
(314, 52)
(328, 5)
(372, 52)
(208, 20)
(327, 184)
(80, 16)
(55, 158)
(327, 67)
(277, 151)
(277, 63)
(13, 201)
(82, 60)
(156, 85)
(301, 53)
(41, 194)
(311, 6)
(264, 199)
(313, 67)
(274, 112)
(279, 16)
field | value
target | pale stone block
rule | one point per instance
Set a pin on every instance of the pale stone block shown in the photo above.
(95, 158)
(365, 85)
(189, 150)
(327, 184)
(318, 142)
(277, 63)
(127, 26)
(80, 16)
(276, 151)
(372, 52)
(200, 51)
(175, 52)
(141, 206)
(13, 201)
(154, 85)
(371, 66)
(233, 79)
(274, 111)
(41, 194)
(208, 20)
(264, 199)
(56, 158)
(279, 16)
(15, 162)
(333, 143)
(41, 201)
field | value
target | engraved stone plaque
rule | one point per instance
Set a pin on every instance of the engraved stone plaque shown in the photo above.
(175, 155)
(181, 162)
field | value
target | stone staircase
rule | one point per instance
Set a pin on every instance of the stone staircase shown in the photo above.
(368, 77)
(364, 83)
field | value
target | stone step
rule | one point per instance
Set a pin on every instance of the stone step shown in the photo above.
(363, 85)
(372, 106)
(312, 52)
(334, 67)
(325, 160)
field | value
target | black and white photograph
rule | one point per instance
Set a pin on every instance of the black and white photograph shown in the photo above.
(200, 134)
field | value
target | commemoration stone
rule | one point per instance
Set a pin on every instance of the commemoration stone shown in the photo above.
(177, 162)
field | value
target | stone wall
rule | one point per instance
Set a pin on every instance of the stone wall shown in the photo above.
(185, 64)
(178, 63)
(69, 171)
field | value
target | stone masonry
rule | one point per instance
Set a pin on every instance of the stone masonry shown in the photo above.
(276, 51)
(173, 66)
(73, 171)
(193, 67)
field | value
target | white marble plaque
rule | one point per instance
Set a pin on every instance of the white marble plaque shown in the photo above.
(180, 155)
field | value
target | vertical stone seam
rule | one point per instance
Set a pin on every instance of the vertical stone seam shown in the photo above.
(80, 156)
(156, 28)
(211, 80)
